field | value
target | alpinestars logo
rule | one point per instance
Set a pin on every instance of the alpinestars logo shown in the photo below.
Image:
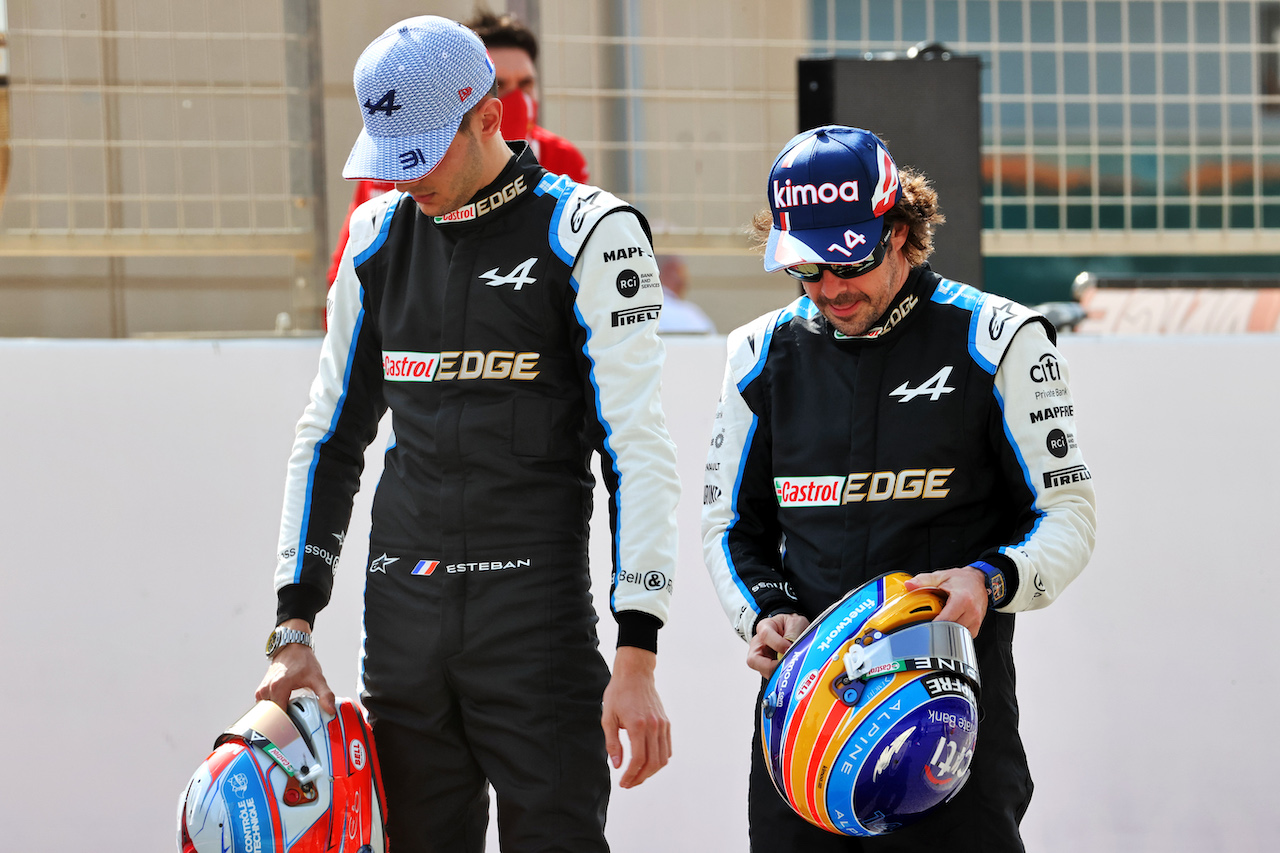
(380, 564)
(935, 387)
(1002, 315)
(519, 276)
(585, 205)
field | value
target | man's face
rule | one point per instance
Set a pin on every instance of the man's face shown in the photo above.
(853, 304)
(455, 179)
(514, 70)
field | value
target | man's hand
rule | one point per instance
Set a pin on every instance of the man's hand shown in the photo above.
(631, 702)
(772, 639)
(966, 591)
(294, 666)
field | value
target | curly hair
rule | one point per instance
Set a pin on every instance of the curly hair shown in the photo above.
(505, 30)
(916, 207)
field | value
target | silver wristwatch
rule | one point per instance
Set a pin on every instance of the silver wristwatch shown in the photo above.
(282, 637)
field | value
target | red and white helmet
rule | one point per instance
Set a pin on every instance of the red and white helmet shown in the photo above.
(295, 781)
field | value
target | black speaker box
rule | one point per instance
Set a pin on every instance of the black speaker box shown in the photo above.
(927, 111)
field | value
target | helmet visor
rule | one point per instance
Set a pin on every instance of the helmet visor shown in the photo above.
(943, 646)
(267, 727)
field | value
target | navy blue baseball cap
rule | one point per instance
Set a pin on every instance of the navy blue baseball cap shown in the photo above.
(414, 84)
(829, 190)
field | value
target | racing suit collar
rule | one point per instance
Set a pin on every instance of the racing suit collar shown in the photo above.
(899, 311)
(516, 179)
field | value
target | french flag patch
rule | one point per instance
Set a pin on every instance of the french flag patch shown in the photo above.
(425, 567)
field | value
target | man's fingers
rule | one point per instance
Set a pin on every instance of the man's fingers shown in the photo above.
(613, 745)
(293, 668)
(639, 759)
(650, 751)
(762, 661)
(775, 637)
(954, 612)
(927, 580)
(327, 700)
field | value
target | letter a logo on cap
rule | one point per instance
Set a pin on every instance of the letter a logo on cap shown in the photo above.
(886, 192)
(463, 94)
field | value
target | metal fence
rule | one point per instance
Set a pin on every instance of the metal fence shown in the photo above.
(679, 106)
(166, 128)
(191, 129)
(1121, 126)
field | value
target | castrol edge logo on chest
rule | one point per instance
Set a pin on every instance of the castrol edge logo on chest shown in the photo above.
(868, 486)
(459, 364)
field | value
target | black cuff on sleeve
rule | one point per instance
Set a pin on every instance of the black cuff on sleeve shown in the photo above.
(299, 601)
(638, 629)
(775, 611)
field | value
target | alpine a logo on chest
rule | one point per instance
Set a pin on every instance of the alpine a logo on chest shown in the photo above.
(933, 388)
(519, 276)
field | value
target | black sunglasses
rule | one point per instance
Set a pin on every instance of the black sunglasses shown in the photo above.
(813, 272)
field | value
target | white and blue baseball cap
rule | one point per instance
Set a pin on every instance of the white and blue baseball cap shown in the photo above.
(829, 190)
(414, 83)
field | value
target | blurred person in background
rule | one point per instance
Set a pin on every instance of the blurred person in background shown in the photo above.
(514, 50)
(679, 315)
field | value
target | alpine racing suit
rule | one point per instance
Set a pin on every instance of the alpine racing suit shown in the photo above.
(943, 437)
(510, 339)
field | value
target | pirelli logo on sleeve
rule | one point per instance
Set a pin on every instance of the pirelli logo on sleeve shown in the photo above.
(631, 316)
(458, 364)
(1065, 476)
(870, 486)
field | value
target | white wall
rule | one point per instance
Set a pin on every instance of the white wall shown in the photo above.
(140, 486)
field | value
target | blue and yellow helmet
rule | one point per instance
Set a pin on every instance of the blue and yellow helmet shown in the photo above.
(871, 718)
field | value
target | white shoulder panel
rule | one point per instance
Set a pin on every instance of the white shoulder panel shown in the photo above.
(579, 209)
(993, 322)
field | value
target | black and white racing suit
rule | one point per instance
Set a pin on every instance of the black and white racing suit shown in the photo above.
(510, 339)
(943, 437)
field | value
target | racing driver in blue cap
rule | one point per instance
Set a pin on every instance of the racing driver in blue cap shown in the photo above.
(891, 420)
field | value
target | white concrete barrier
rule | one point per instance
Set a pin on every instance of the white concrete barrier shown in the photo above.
(140, 488)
